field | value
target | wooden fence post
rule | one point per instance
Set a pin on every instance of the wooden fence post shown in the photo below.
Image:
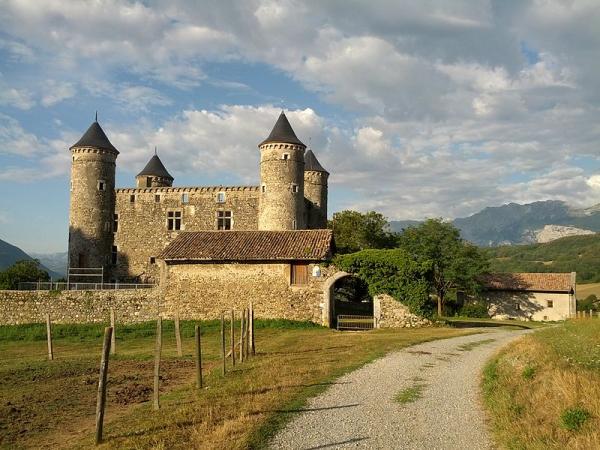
(247, 335)
(156, 403)
(113, 342)
(178, 335)
(232, 337)
(198, 358)
(101, 399)
(49, 337)
(591, 313)
(252, 346)
(242, 314)
(223, 342)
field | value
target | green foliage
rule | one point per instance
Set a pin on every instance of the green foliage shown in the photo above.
(354, 231)
(579, 254)
(410, 394)
(590, 302)
(22, 271)
(477, 309)
(454, 263)
(528, 372)
(392, 272)
(573, 419)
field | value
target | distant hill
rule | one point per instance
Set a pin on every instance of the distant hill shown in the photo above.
(56, 262)
(522, 224)
(579, 254)
(10, 254)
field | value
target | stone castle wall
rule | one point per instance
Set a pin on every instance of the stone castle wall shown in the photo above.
(315, 193)
(203, 291)
(390, 313)
(282, 187)
(142, 231)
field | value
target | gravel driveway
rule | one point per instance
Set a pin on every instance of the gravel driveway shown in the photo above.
(439, 385)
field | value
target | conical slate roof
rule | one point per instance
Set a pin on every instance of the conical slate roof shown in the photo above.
(311, 163)
(95, 137)
(282, 132)
(155, 168)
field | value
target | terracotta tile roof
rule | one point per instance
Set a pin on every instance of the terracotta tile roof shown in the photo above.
(308, 245)
(532, 282)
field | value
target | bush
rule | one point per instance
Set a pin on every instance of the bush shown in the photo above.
(573, 419)
(477, 309)
(590, 302)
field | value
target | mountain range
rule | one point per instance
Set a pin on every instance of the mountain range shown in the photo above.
(10, 254)
(513, 223)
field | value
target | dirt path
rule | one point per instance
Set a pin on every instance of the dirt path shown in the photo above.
(422, 397)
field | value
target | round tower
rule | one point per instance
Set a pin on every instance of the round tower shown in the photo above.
(315, 192)
(281, 201)
(91, 214)
(154, 174)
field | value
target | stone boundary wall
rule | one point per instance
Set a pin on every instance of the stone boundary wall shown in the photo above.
(130, 305)
(390, 313)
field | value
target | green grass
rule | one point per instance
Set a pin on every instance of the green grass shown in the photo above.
(410, 394)
(465, 322)
(572, 419)
(472, 345)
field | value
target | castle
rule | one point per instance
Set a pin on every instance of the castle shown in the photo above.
(124, 230)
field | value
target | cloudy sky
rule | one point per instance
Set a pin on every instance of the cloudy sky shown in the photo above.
(418, 108)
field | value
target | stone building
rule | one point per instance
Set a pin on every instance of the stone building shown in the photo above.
(123, 230)
(531, 296)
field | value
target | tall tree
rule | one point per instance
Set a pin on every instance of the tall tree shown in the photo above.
(21, 271)
(454, 263)
(354, 231)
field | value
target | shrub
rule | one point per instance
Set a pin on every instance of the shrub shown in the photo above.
(477, 309)
(528, 372)
(573, 419)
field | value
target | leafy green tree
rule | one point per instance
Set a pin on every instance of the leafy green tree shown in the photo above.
(394, 272)
(454, 263)
(22, 271)
(590, 302)
(354, 231)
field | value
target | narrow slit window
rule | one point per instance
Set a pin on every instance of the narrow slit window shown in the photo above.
(185, 198)
(174, 220)
(156, 198)
(101, 185)
(132, 198)
(221, 197)
(114, 254)
(263, 188)
(285, 156)
(224, 220)
(115, 223)
(295, 188)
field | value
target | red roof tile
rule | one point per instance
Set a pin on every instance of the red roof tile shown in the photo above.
(307, 245)
(532, 282)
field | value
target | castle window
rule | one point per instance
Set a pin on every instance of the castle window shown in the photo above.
(152, 260)
(295, 188)
(114, 254)
(298, 274)
(221, 197)
(148, 181)
(174, 220)
(101, 185)
(294, 224)
(115, 223)
(156, 198)
(224, 220)
(106, 226)
(132, 198)
(550, 303)
(263, 188)
(71, 185)
(285, 156)
(185, 198)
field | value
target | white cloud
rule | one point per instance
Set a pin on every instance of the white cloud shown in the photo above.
(55, 92)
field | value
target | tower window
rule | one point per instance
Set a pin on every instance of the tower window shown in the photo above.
(71, 185)
(148, 181)
(156, 198)
(115, 223)
(293, 224)
(101, 185)
(294, 188)
(106, 226)
(550, 303)
(224, 220)
(174, 220)
(114, 254)
(152, 260)
(132, 198)
(221, 197)
(185, 198)
(285, 156)
(263, 188)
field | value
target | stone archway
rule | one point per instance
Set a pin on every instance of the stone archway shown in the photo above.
(329, 308)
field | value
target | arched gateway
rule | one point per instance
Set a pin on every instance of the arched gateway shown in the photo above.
(344, 293)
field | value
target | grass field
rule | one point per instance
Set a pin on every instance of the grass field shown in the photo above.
(583, 290)
(543, 392)
(52, 403)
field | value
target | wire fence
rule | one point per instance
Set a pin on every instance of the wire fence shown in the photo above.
(64, 286)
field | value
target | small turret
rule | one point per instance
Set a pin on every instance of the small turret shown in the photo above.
(281, 201)
(92, 206)
(154, 175)
(315, 192)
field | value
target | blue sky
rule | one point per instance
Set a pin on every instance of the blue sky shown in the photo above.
(417, 109)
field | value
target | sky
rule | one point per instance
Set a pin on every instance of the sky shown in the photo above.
(417, 108)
